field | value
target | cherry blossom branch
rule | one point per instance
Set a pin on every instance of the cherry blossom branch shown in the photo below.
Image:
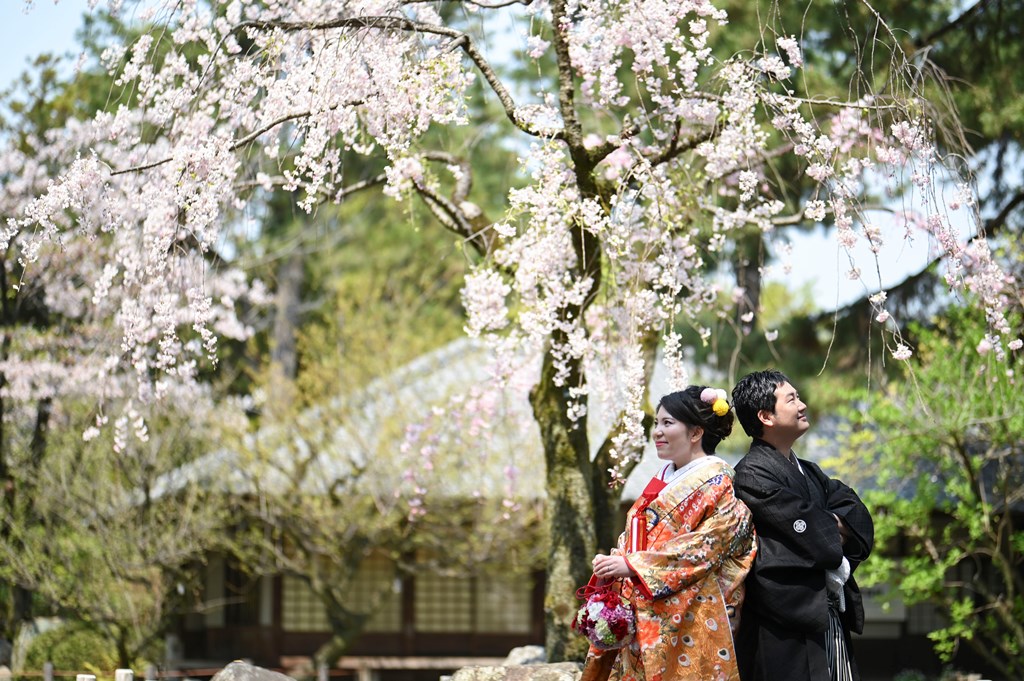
(601, 151)
(798, 217)
(988, 229)
(459, 40)
(455, 220)
(483, 5)
(280, 181)
(843, 104)
(252, 136)
(813, 101)
(238, 144)
(360, 186)
(445, 211)
(675, 148)
(463, 179)
(453, 213)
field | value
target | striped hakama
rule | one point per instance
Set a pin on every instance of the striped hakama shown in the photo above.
(836, 655)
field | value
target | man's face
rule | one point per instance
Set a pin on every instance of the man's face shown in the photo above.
(790, 417)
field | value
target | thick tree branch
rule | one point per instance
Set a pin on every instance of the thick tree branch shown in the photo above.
(965, 16)
(679, 146)
(453, 218)
(566, 81)
(999, 221)
(360, 186)
(457, 213)
(598, 153)
(463, 179)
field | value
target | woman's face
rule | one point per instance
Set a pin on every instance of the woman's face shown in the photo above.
(674, 440)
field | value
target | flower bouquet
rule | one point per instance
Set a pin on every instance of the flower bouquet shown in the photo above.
(605, 618)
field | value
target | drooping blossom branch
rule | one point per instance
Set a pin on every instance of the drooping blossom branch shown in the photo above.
(459, 40)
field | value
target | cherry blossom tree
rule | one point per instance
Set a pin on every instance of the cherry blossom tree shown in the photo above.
(651, 148)
(82, 438)
(84, 316)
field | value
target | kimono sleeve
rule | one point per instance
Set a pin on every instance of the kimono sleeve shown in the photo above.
(682, 558)
(845, 503)
(620, 544)
(792, 531)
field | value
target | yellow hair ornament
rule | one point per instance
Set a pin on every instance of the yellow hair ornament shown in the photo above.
(720, 407)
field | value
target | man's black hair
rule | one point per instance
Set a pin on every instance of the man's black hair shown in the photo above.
(754, 392)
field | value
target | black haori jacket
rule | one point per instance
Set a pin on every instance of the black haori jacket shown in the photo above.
(785, 614)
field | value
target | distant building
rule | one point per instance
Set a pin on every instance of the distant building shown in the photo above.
(279, 618)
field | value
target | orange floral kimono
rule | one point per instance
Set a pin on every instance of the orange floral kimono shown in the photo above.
(691, 543)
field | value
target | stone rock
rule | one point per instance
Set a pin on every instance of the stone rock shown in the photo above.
(5, 672)
(558, 671)
(28, 631)
(243, 671)
(526, 655)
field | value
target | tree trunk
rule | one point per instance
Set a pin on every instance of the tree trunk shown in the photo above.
(290, 275)
(22, 599)
(38, 444)
(343, 633)
(330, 651)
(284, 358)
(570, 514)
(748, 262)
(608, 518)
(21, 610)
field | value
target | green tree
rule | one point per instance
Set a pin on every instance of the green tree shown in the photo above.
(939, 460)
(96, 539)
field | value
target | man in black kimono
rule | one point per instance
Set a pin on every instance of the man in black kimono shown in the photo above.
(802, 601)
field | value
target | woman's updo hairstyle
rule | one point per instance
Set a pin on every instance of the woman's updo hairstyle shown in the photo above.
(686, 406)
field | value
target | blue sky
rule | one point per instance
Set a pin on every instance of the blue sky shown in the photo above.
(816, 258)
(47, 27)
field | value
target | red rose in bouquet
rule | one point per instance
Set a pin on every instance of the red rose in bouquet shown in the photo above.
(605, 618)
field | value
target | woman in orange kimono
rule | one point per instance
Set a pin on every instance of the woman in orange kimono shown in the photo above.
(688, 544)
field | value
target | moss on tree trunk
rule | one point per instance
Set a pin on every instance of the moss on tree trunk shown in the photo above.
(345, 629)
(570, 514)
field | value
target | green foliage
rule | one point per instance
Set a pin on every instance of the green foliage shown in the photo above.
(72, 648)
(87, 535)
(940, 462)
(379, 312)
(947, 640)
